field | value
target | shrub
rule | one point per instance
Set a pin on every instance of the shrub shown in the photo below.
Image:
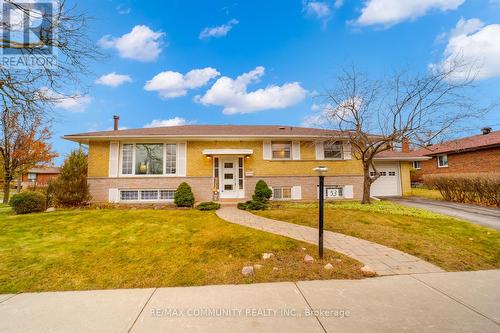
(208, 206)
(184, 196)
(28, 202)
(468, 188)
(70, 189)
(262, 192)
(252, 205)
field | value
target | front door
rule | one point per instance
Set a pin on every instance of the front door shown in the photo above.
(229, 178)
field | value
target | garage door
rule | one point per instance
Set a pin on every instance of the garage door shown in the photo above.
(388, 184)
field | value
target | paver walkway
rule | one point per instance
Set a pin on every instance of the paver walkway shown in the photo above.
(384, 260)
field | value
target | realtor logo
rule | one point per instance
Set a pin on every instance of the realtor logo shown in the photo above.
(28, 34)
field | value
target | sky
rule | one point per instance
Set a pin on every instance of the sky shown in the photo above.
(176, 62)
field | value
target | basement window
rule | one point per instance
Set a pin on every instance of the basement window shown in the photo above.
(148, 195)
(282, 193)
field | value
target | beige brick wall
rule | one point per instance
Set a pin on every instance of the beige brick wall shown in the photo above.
(99, 187)
(202, 186)
(308, 184)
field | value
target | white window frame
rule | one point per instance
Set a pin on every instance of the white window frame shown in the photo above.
(139, 196)
(31, 179)
(338, 143)
(164, 174)
(416, 165)
(438, 161)
(281, 189)
(282, 159)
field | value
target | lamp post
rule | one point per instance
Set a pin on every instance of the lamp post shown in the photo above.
(321, 170)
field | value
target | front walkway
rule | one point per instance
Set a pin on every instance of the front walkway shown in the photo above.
(435, 302)
(384, 260)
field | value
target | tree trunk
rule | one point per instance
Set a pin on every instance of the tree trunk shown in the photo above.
(6, 189)
(367, 183)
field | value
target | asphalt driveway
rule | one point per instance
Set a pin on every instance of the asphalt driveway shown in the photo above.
(488, 217)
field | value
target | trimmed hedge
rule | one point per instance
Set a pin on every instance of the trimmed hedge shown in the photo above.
(483, 189)
(28, 202)
(184, 196)
(208, 206)
(252, 205)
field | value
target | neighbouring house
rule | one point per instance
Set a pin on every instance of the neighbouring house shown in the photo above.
(39, 176)
(473, 154)
(147, 164)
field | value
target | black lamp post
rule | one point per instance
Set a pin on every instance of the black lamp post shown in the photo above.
(321, 170)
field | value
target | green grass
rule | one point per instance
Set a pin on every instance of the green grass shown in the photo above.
(102, 249)
(452, 244)
(426, 193)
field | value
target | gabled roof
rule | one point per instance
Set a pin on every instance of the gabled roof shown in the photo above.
(475, 142)
(212, 131)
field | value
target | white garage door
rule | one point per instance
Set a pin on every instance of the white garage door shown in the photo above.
(389, 183)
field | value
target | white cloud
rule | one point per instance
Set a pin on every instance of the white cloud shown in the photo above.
(141, 43)
(74, 103)
(113, 79)
(473, 42)
(319, 9)
(233, 96)
(123, 9)
(325, 114)
(219, 31)
(176, 121)
(390, 12)
(171, 84)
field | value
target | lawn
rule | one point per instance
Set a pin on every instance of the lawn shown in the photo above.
(426, 193)
(449, 243)
(102, 249)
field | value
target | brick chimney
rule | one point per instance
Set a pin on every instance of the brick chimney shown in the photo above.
(116, 120)
(405, 145)
(486, 130)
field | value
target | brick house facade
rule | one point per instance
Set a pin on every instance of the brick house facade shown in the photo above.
(476, 154)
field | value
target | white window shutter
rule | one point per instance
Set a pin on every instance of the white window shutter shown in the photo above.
(348, 191)
(181, 159)
(266, 150)
(296, 193)
(114, 153)
(320, 152)
(114, 195)
(296, 150)
(347, 150)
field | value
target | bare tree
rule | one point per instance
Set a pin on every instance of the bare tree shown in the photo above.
(377, 115)
(27, 93)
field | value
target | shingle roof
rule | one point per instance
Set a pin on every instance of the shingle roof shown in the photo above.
(465, 144)
(211, 130)
(399, 156)
(51, 170)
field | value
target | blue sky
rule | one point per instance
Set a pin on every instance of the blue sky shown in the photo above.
(289, 50)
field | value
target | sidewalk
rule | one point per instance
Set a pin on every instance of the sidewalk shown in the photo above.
(384, 260)
(434, 302)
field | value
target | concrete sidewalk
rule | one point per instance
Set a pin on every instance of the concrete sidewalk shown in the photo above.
(433, 302)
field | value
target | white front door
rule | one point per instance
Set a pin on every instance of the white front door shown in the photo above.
(229, 178)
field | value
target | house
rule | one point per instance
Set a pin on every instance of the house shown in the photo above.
(223, 161)
(473, 154)
(39, 176)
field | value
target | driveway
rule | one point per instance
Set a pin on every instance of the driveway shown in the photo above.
(432, 302)
(488, 217)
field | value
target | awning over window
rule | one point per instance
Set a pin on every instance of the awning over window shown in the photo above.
(227, 151)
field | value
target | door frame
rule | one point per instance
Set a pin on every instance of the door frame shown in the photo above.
(237, 193)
